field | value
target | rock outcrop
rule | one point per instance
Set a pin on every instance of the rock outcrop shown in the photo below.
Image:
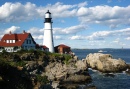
(67, 75)
(105, 63)
(49, 70)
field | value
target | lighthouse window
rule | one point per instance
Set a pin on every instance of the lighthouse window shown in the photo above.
(47, 19)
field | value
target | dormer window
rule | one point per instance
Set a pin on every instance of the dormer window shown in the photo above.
(10, 41)
(7, 41)
(13, 41)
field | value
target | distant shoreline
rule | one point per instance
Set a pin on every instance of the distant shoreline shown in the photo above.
(95, 48)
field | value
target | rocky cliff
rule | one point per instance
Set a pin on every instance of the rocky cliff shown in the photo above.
(44, 70)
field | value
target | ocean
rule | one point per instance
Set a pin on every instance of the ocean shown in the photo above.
(119, 80)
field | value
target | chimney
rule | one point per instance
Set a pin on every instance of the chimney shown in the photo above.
(10, 32)
(24, 32)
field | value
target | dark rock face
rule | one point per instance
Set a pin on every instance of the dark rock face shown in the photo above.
(128, 69)
(12, 78)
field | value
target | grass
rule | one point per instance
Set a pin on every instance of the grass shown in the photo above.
(42, 79)
(38, 53)
(15, 64)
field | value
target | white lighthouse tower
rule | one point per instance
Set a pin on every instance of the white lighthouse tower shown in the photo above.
(48, 34)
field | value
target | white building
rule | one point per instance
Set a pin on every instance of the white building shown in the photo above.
(14, 42)
(48, 34)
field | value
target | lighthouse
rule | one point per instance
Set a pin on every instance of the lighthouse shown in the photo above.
(48, 34)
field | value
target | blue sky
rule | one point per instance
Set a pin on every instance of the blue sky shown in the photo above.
(76, 23)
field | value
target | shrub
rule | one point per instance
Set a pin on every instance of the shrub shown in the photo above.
(4, 51)
(22, 51)
(42, 79)
(67, 58)
(19, 63)
(31, 50)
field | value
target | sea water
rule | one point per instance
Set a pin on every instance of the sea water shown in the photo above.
(116, 81)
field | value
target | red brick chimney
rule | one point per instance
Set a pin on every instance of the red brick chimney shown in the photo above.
(24, 31)
(10, 32)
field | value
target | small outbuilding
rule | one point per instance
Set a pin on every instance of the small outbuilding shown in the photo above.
(62, 49)
(42, 47)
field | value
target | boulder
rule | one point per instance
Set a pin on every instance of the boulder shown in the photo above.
(80, 79)
(128, 66)
(55, 71)
(105, 63)
(81, 65)
(67, 75)
(55, 84)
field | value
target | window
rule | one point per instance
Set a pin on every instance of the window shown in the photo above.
(27, 41)
(7, 41)
(11, 41)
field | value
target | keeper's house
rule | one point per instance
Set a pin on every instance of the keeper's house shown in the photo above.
(14, 42)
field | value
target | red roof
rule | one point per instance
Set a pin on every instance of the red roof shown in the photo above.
(19, 39)
(43, 46)
(63, 46)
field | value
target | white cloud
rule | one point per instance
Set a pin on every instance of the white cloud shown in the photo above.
(77, 37)
(83, 12)
(38, 37)
(105, 15)
(13, 29)
(57, 31)
(116, 41)
(98, 35)
(58, 37)
(128, 38)
(70, 30)
(36, 31)
(101, 35)
(11, 12)
(82, 4)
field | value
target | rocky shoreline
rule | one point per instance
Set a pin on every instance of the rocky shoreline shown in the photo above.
(49, 71)
(62, 75)
(75, 73)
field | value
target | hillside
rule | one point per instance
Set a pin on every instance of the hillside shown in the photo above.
(36, 69)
